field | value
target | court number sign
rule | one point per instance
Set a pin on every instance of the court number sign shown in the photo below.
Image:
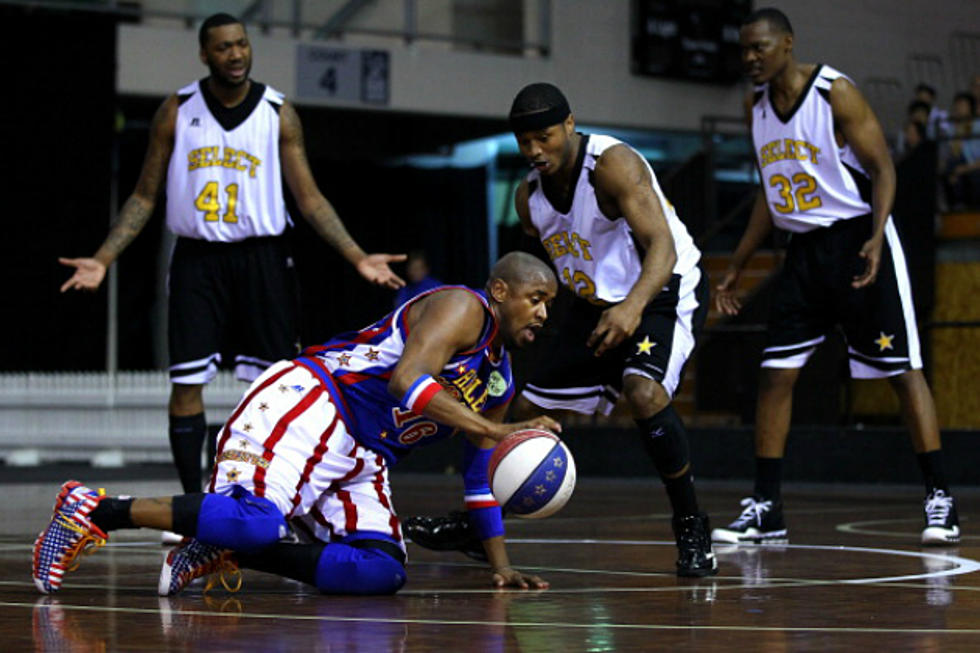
(360, 76)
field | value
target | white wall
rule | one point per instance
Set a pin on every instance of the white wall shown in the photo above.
(589, 60)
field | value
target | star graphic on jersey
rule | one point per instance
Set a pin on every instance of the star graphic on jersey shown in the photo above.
(247, 427)
(233, 474)
(344, 359)
(558, 462)
(645, 346)
(884, 342)
(372, 354)
(383, 435)
(243, 443)
(549, 475)
(283, 387)
(263, 406)
(461, 369)
(539, 490)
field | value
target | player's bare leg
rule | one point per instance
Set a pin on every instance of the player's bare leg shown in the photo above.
(665, 440)
(919, 411)
(761, 518)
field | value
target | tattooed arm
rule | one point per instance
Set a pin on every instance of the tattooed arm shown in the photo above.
(318, 211)
(138, 208)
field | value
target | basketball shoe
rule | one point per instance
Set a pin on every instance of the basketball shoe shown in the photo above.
(760, 521)
(193, 559)
(942, 523)
(452, 533)
(69, 535)
(695, 557)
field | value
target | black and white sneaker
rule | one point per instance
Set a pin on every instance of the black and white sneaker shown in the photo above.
(942, 523)
(694, 555)
(760, 521)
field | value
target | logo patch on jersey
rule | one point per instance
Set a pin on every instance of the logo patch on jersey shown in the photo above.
(496, 384)
(884, 342)
(645, 346)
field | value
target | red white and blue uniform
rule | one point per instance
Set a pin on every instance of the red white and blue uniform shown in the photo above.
(316, 435)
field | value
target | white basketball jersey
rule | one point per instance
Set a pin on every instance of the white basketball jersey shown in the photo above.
(808, 180)
(224, 181)
(597, 257)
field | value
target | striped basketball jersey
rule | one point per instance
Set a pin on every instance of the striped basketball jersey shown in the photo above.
(808, 180)
(359, 365)
(224, 181)
(597, 257)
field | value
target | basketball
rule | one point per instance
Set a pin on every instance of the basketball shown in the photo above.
(532, 474)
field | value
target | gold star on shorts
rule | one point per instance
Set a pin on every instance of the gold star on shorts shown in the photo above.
(372, 354)
(233, 474)
(263, 406)
(247, 427)
(884, 342)
(645, 346)
(344, 359)
(243, 443)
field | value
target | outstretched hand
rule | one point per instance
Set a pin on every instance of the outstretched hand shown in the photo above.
(509, 577)
(615, 325)
(540, 422)
(374, 268)
(89, 274)
(726, 301)
(871, 253)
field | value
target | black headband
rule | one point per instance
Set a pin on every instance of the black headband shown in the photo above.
(540, 119)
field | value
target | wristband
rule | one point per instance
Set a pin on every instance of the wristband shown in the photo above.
(420, 393)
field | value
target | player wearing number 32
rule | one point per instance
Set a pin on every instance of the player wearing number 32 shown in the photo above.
(828, 179)
(224, 144)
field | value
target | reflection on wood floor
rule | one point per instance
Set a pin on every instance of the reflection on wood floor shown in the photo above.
(852, 577)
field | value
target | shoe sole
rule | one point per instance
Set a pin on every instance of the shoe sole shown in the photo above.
(64, 496)
(725, 536)
(940, 536)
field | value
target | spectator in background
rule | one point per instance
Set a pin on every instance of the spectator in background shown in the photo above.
(916, 114)
(937, 119)
(975, 88)
(962, 164)
(419, 277)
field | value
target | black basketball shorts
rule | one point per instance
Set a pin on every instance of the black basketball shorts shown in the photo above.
(570, 377)
(814, 295)
(230, 299)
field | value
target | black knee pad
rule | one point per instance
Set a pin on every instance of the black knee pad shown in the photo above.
(665, 440)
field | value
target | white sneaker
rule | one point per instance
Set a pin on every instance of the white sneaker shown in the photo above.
(169, 538)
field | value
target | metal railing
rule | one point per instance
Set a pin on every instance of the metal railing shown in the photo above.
(516, 27)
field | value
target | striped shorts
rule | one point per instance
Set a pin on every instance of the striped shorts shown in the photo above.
(287, 442)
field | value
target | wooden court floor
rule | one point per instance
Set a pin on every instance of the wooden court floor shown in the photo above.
(853, 578)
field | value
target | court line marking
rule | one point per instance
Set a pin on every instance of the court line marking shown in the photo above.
(859, 528)
(504, 624)
(964, 565)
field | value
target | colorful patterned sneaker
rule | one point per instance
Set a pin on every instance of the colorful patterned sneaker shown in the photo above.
(942, 523)
(193, 559)
(69, 535)
(760, 521)
(694, 555)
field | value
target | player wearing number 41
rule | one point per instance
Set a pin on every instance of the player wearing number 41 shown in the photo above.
(310, 444)
(224, 144)
(828, 179)
(618, 244)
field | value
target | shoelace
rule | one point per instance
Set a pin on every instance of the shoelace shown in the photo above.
(86, 545)
(938, 506)
(752, 514)
(226, 571)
